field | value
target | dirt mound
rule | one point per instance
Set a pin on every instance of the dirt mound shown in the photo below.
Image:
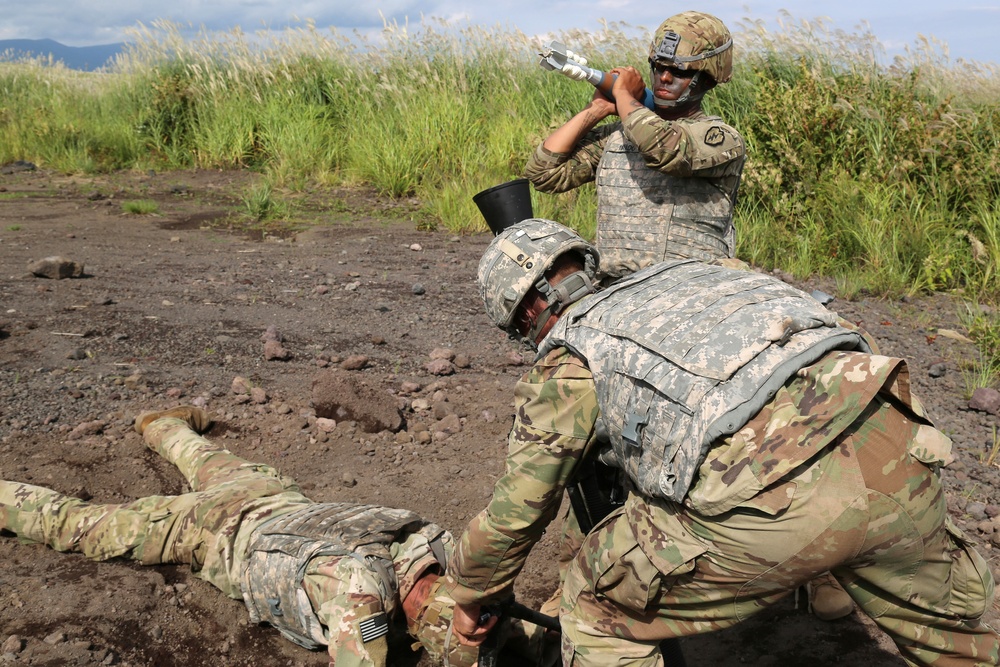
(337, 395)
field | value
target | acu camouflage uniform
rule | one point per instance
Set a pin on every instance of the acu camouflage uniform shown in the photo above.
(214, 528)
(837, 472)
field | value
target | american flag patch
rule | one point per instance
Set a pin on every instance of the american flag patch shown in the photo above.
(374, 627)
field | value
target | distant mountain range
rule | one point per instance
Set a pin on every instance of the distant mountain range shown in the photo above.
(75, 57)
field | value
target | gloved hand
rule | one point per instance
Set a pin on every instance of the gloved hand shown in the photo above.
(573, 68)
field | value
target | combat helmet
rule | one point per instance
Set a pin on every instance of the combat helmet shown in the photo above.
(694, 41)
(517, 259)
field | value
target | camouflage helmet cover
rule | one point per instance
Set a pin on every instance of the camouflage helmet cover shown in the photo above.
(694, 41)
(518, 258)
(432, 628)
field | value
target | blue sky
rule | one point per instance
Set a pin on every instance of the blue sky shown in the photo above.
(968, 27)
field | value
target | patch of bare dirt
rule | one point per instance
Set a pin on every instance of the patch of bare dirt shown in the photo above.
(174, 307)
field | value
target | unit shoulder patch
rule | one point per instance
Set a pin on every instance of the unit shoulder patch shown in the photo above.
(715, 136)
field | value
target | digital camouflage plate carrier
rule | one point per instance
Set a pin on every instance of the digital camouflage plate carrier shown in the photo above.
(684, 353)
(281, 548)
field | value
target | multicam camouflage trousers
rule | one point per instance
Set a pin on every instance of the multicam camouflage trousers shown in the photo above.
(207, 528)
(866, 509)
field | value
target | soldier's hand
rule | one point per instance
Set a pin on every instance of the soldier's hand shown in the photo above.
(601, 105)
(468, 627)
(629, 81)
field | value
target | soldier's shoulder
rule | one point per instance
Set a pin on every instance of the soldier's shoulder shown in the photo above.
(559, 363)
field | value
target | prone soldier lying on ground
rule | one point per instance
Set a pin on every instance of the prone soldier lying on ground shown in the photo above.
(331, 574)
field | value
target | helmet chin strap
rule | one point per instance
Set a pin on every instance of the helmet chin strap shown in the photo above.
(693, 93)
(570, 289)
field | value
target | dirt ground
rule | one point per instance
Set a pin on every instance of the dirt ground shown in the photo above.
(173, 307)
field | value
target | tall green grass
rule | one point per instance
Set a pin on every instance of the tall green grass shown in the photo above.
(883, 174)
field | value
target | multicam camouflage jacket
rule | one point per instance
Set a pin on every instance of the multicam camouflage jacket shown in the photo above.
(666, 189)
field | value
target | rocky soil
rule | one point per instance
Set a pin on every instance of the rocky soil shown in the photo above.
(354, 356)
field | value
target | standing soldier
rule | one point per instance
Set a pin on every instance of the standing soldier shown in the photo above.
(667, 179)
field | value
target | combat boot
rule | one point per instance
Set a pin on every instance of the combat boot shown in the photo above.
(828, 601)
(196, 418)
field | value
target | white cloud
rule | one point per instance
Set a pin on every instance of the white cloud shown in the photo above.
(968, 29)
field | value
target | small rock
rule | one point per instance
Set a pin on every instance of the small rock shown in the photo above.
(378, 340)
(167, 303)
(13, 644)
(403, 438)
(440, 367)
(416, 247)
(77, 355)
(443, 353)
(271, 333)
(258, 395)
(489, 416)
(937, 370)
(424, 437)
(240, 385)
(321, 289)
(515, 358)
(410, 387)
(976, 510)
(57, 637)
(442, 409)
(461, 361)
(420, 405)
(325, 425)
(56, 268)
(418, 289)
(283, 409)
(273, 351)
(352, 286)
(986, 400)
(354, 362)
(348, 480)
(87, 428)
(450, 424)
(175, 392)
